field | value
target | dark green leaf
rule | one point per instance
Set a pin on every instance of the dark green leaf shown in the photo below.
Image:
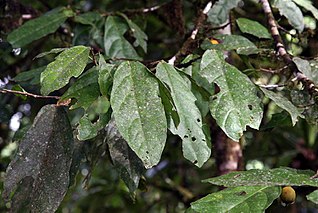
(88, 18)
(279, 120)
(38, 176)
(31, 76)
(138, 111)
(252, 27)
(115, 44)
(292, 12)
(105, 75)
(70, 63)
(231, 42)
(313, 197)
(247, 199)
(266, 177)
(129, 166)
(237, 105)
(284, 103)
(38, 28)
(52, 51)
(194, 142)
(219, 13)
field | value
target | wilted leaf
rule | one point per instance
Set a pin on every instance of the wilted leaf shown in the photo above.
(283, 103)
(313, 197)
(85, 90)
(252, 27)
(115, 44)
(70, 63)
(231, 42)
(237, 105)
(292, 12)
(247, 199)
(138, 111)
(38, 27)
(307, 4)
(32, 77)
(283, 176)
(219, 13)
(129, 166)
(38, 176)
(194, 142)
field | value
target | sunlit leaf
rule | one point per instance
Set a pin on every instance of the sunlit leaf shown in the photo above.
(38, 27)
(284, 103)
(38, 176)
(247, 199)
(219, 13)
(237, 105)
(138, 111)
(283, 176)
(252, 27)
(70, 63)
(292, 12)
(194, 142)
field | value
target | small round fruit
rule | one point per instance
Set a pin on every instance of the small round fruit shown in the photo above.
(288, 195)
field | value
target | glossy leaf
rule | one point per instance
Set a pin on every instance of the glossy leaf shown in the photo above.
(38, 27)
(139, 35)
(38, 177)
(115, 44)
(138, 111)
(195, 146)
(245, 199)
(126, 162)
(231, 42)
(70, 63)
(32, 77)
(292, 12)
(283, 176)
(307, 4)
(313, 197)
(237, 105)
(219, 13)
(105, 75)
(85, 90)
(252, 27)
(284, 103)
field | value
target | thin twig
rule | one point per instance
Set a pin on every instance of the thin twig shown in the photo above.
(273, 71)
(27, 94)
(271, 86)
(280, 48)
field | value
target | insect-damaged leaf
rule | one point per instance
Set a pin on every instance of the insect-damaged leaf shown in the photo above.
(237, 104)
(138, 111)
(70, 63)
(129, 166)
(38, 177)
(194, 142)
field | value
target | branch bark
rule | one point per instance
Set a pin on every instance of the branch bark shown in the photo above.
(27, 94)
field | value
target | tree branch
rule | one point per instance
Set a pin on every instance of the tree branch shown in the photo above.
(280, 48)
(27, 94)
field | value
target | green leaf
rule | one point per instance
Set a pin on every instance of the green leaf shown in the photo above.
(194, 142)
(308, 68)
(126, 162)
(52, 51)
(240, 199)
(313, 197)
(281, 119)
(88, 18)
(307, 4)
(138, 111)
(105, 75)
(70, 63)
(219, 13)
(32, 77)
(85, 90)
(231, 42)
(292, 12)
(252, 27)
(38, 28)
(38, 177)
(237, 104)
(139, 35)
(115, 44)
(283, 103)
(283, 176)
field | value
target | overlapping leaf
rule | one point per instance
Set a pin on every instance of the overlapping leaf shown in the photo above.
(194, 142)
(38, 177)
(313, 197)
(138, 111)
(252, 27)
(219, 13)
(38, 28)
(307, 4)
(237, 105)
(70, 63)
(105, 75)
(32, 77)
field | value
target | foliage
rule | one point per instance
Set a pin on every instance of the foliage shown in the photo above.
(138, 102)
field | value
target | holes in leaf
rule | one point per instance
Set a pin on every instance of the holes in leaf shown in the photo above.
(147, 152)
(214, 98)
(242, 193)
(198, 120)
(250, 107)
(194, 162)
(186, 136)
(193, 138)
